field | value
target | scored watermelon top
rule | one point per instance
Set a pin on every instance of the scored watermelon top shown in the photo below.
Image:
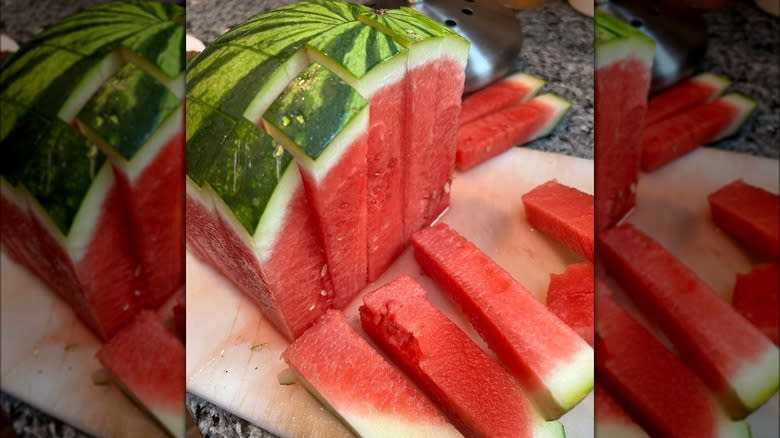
(53, 77)
(248, 74)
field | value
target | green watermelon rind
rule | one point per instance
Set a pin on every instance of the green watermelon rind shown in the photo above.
(616, 40)
(560, 107)
(87, 87)
(717, 82)
(532, 82)
(572, 381)
(756, 382)
(745, 106)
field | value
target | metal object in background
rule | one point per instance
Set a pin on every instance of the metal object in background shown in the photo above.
(679, 31)
(492, 29)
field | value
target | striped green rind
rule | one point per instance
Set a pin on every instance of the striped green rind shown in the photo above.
(610, 28)
(127, 110)
(246, 171)
(405, 25)
(160, 46)
(313, 109)
(56, 165)
(339, 45)
(11, 112)
(206, 128)
(33, 71)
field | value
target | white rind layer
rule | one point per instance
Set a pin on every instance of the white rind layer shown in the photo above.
(712, 80)
(89, 85)
(274, 86)
(625, 48)
(758, 380)
(560, 107)
(389, 72)
(153, 146)
(745, 108)
(531, 82)
(270, 225)
(572, 380)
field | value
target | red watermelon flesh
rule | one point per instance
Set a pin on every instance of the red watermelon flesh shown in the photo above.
(564, 213)
(552, 363)
(749, 214)
(757, 298)
(611, 420)
(665, 397)
(156, 207)
(516, 125)
(513, 89)
(179, 315)
(570, 298)
(359, 386)
(678, 135)
(684, 96)
(147, 360)
(734, 359)
(94, 269)
(475, 393)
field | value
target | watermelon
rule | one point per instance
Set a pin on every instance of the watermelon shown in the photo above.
(298, 202)
(516, 125)
(665, 397)
(624, 59)
(147, 361)
(179, 316)
(368, 394)
(757, 298)
(611, 420)
(733, 358)
(551, 362)
(515, 88)
(564, 213)
(70, 203)
(477, 395)
(749, 214)
(674, 137)
(570, 298)
(686, 95)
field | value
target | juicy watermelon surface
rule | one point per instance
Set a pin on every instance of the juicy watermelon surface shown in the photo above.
(757, 298)
(570, 298)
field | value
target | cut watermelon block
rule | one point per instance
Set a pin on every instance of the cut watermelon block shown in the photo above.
(570, 298)
(369, 395)
(732, 357)
(517, 125)
(477, 395)
(564, 213)
(552, 363)
(749, 214)
(757, 298)
(678, 135)
(330, 150)
(624, 58)
(661, 394)
(696, 91)
(513, 89)
(611, 420)
(147, 361)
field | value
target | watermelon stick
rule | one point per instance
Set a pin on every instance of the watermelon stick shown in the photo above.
(756, 297)
(611, 420)
(688, 94)
(368, 394)
(674, 137)
(516, 125)
(733, 358)
(663, 395)
(477, 395)
(749, 214)
(552, 363)
(570, 298)
(564, 213)
(513, 89)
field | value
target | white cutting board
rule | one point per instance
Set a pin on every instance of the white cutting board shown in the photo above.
(47, 358)
(672, 208)
(223, 325)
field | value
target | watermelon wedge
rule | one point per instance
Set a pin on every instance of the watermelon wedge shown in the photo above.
(693, 92)
(733, 358)
(757, 298)
(563, 213)
(513, 89)
(297, 155)
(624, 58)
(665, 397)
(552, 363)
(611, 420)
(477, 395)
(353, 381)
(147, 361)
(570, 298)
(71, 207)
(516, 125)
(674, 137)
(749, 214)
